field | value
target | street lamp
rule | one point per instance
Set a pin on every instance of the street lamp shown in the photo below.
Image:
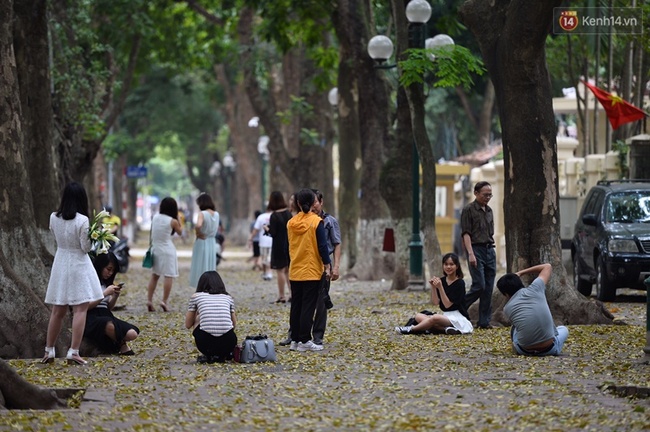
(263, 150)
(380, 48)
(333, 97)
(229, 166)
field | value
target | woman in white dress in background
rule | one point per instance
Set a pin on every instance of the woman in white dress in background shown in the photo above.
(165, 261)
(73, 280)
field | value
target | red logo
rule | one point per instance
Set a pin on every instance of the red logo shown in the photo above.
(569, 20)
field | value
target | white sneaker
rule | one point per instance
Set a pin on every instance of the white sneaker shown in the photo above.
(309, 346)
(293, 346)
(403, 330)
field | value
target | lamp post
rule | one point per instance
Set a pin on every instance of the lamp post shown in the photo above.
(380, 48)
(263, 150)
(229, 166)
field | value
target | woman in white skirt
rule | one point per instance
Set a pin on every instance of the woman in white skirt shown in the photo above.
(447, 292)
(73, 281)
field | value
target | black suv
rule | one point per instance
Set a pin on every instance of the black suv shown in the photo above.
(611, 241)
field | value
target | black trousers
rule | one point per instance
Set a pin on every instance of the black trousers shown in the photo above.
(220, 347)
(320, 319)
(304, 295)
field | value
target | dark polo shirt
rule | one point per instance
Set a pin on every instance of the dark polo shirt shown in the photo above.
(478, 223)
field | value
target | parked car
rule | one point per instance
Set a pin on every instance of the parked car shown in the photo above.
(611, 242)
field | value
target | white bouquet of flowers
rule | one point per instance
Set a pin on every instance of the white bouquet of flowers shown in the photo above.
(99, 234)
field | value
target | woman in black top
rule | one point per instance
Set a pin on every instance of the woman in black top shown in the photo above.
(280, 248)
(103, 330)
(447, 292)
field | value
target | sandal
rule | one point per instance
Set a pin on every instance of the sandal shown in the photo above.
(50, 353)
(163, 306)
(150, 307)
(73, 357)
(128, 351)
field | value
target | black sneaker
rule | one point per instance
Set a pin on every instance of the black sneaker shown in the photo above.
(202, 359)
(285, 342)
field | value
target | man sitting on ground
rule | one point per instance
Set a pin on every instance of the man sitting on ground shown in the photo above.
(533, 332)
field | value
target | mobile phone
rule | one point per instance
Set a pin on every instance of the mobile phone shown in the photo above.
(121, 284)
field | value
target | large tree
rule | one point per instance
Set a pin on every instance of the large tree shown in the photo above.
(24, 259)
(512, 36)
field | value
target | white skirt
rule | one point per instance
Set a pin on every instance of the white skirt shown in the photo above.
(459, 322)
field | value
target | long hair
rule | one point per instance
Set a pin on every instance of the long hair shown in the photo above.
(204, 201)
(276, 201)
(211, 283)
(305, 199)
(455, 260)
(100, 262)
(169, 207)
(73, 201)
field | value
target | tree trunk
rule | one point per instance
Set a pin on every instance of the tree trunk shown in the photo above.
(397, 189)
(249, 165)
(24, 259)
(512, 34)
(364, 141)
(350, 159)
(31, 51)
(415, 97)
(17, 393)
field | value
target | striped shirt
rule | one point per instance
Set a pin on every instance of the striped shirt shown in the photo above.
(214, 312)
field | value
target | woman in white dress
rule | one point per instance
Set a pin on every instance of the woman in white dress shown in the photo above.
(165, 262)
(73, 280)
(204, 252)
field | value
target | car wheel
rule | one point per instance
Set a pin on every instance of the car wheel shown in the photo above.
(604, 290)
(583, 286)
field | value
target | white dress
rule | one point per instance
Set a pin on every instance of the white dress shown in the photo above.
(165, 262)
(73, 279)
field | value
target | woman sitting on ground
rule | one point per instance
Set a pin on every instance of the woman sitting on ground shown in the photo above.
(103, 330)
(447, 292)
(211, 312)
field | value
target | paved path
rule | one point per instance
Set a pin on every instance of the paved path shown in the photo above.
(368, 377)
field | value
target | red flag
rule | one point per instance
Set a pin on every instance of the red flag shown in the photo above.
(618, 111)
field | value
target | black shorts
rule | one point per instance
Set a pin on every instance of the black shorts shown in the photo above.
(256, 249)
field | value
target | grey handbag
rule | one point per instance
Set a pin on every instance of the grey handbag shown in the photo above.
(257, 349)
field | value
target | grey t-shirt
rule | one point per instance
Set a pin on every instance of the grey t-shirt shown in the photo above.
(529, 313)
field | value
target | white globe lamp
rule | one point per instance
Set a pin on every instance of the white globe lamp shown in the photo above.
(380, 48)
(418, 11)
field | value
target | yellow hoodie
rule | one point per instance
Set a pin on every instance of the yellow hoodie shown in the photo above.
(306, 263)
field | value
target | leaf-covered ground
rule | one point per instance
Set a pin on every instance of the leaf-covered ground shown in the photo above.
(367, 378)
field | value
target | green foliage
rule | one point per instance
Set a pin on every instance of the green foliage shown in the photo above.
(310, 137)
(299, 107)
(623, 150)
(175, 118)
(452, 66)
(78, 70)
(288, 23)
(168, 177)
(326, 60)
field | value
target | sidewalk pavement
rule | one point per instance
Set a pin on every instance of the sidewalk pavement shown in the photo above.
(367, 378)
